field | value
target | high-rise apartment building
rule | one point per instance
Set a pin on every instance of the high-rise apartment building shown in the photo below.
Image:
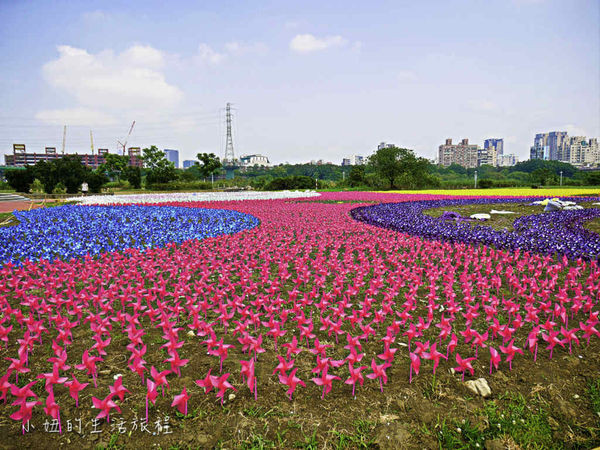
(548, 146)
(173, 156)
(581, 151)
(463, 154)
(496, 144)
(187, 163)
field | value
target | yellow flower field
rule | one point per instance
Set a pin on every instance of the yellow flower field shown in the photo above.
(545, 192)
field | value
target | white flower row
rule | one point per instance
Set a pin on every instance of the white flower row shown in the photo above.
(191, 197)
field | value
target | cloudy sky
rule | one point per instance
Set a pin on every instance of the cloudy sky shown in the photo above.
(308, 79)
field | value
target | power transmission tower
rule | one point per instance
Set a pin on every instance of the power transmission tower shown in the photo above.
(229, 162)
(229, 153)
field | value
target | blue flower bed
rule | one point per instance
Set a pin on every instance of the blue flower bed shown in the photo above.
(559, 232)
(67, 232)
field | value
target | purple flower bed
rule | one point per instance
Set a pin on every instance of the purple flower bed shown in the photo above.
(559, 232)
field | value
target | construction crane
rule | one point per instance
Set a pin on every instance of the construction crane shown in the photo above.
(124, 144)
(64, 139)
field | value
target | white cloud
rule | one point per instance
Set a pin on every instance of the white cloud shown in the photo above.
(129, 80)
(239, 48)
(405, 76)
(75, 117)
(207, 54)
(306, 43)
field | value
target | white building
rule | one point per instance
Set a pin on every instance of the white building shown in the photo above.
(354, 160)
(384, 145)
(254, 161)
(507, 160)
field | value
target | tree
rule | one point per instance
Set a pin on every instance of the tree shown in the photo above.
(357, 176)
(133, 175)
(542, 175)
(20, 179)
(209, 162)
(114, 165)
(399, 164)
(95, 180)
(160, 169)
(71, 172)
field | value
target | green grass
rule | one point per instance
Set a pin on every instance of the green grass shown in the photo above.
(594, 394)
(361, 438)
(501, 221)
(516, 421)
(257, 442)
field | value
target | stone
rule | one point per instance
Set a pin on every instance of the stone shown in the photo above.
(480, 387)
(493, 211)
(480, 216)
(393, 436)
(494, 444)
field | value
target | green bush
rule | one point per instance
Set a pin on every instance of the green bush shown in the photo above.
(293, 182)
(59, 189)
(486, 184)
(37, 187)
(179, 186)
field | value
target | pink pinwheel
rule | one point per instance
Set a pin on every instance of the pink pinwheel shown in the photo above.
(4, 386)
(283, 365)
(464, 365)
(89, 364)
(138, 366)
(570, 336)
(291, 381)
(494, 358)
(379, 372)
(52, 378)
(52, 409)
(355, 375)
(552, 340)
(151, 394)
(25, 412)
(326, 381)
(221, 384)
(18, 366)
(105, 406)
(415, 364)
(451, 345)
(176, 362)
(532, 341)
(248, 372)
(206, 383)
(292, 347)
(510, 350)
(160, 378)
(74, 388)
(588, 331)
(435, 356)
(181, 401)
(117, 389)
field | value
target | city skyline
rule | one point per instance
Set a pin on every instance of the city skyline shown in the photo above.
(308, 81)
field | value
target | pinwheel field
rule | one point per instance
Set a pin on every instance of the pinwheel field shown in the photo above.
(339, 320)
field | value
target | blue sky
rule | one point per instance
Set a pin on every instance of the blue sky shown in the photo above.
(309, 80)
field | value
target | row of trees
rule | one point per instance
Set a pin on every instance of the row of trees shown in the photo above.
(68, 173)
(388, 168)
